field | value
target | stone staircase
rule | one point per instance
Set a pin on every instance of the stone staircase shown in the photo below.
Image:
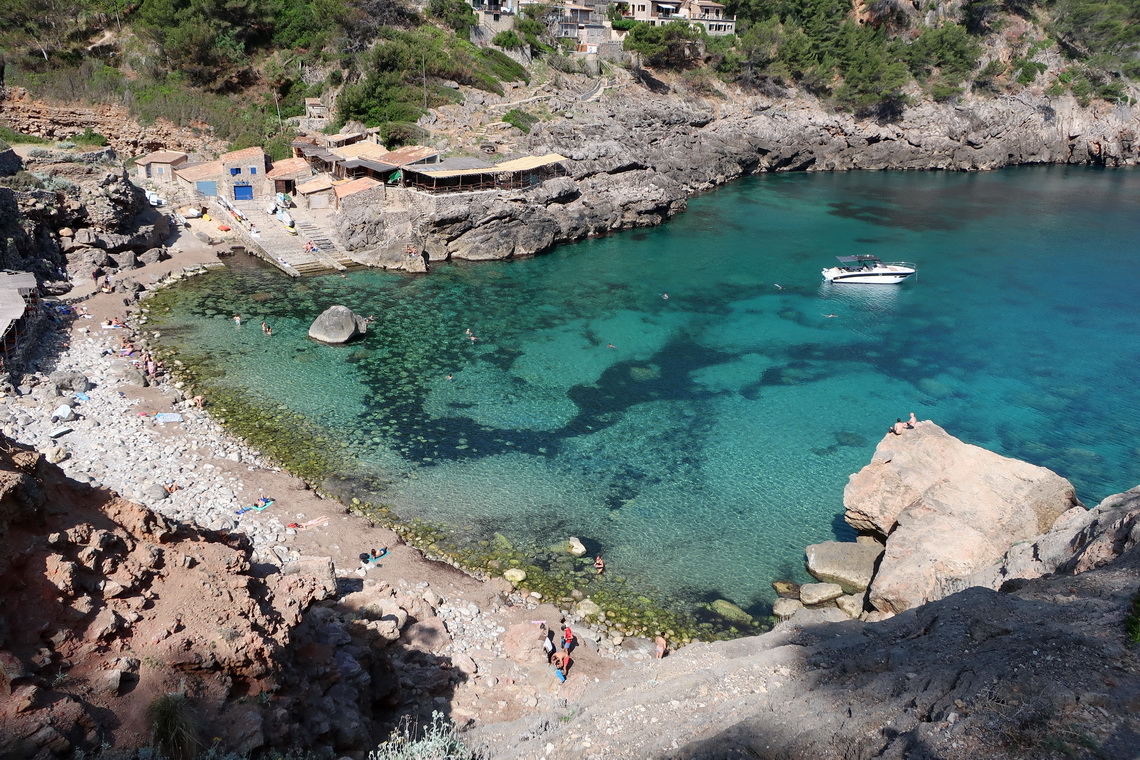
(285, 249)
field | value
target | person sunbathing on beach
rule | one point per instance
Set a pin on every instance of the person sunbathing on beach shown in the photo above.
(372, 558)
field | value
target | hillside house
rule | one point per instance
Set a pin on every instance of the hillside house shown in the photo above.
(707, 13)
(19, 309)
(316, 193)
(320, 158)
(465, 175)
(243, 174)
(315, 109)
(360, 159)
(159, 166)
(352, 187)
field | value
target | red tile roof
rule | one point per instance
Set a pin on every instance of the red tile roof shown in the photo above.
(290, 168)
(353, 187)
(162, 157)
(245, 154)
(197, 172)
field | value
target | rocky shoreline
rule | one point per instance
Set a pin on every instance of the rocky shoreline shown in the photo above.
(634, 158)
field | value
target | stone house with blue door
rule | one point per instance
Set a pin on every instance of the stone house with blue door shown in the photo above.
(239, 175)
(243, 174)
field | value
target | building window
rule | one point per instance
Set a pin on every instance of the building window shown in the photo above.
(253, 170)
(234, 171)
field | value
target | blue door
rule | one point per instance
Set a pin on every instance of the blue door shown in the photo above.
(207, 188)
(243, 192)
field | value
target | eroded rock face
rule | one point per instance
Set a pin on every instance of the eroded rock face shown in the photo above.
(105, 605)
(948, 510)
(337, 324)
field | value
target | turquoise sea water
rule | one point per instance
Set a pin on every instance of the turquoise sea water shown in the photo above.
(700, 441)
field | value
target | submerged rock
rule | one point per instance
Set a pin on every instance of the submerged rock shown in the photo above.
(337, 324)
(730, 611)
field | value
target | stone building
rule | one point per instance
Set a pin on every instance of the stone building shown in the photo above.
(159, 166)
(239, 175)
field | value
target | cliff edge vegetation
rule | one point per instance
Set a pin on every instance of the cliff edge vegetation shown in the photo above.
(240, 70)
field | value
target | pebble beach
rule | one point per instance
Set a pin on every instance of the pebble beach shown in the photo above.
(113, 438)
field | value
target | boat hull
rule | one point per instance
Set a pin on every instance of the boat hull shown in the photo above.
(879, 276)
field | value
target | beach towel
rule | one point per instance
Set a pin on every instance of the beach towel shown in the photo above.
(165, 417)
(309, 524)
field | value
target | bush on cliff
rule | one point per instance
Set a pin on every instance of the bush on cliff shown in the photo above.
(403, 71)
(670, 46)
(174, 727)
(437, 741)
(455, 13)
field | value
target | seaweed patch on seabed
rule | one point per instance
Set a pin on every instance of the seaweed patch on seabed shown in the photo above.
(629, 606)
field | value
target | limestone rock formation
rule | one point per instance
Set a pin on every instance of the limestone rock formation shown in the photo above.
(851, 565)
(1039, 671)
(633, 161)
(337, 324)
(948, 510)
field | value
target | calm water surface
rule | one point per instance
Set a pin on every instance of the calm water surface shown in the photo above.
(702, 440)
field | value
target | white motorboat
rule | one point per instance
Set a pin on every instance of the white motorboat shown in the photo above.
(864, 269)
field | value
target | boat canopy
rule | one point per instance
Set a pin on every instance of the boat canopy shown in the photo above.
(857, 259)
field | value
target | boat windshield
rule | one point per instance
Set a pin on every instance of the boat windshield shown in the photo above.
(858, 262)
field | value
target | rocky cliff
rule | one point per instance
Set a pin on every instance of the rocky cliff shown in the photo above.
(75, 211)
(111, 613)
(635, 156)
(53, 121)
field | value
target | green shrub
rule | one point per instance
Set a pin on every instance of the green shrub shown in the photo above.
(438, 741)
(174, 727)
(12, 136)
(89, 139)
(1132, 622)
(505, 68)
(22, 181)
(624, 24)
(455, 13)
(507, 39)
(520, 120)
(400, 70)
(670, 46)
(1029, 71)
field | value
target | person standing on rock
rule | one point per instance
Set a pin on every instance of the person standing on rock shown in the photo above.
(662, 644)
(547, 643)
(567, 638)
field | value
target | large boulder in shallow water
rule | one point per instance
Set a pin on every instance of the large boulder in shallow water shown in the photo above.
(337, 325)
(949, 510)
